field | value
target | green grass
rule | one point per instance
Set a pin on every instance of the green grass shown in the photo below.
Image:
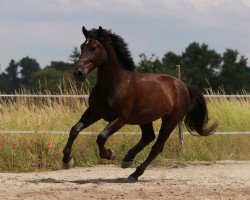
(232, 115)
(61, 114)
(34, 152)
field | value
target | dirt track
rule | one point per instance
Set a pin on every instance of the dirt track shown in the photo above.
(223, 180)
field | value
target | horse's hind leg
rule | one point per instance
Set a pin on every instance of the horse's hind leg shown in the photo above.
(168, 125)
(148, 136)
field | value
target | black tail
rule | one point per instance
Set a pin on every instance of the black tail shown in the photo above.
(197, 117)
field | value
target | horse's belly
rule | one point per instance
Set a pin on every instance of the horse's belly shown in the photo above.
(148, 115)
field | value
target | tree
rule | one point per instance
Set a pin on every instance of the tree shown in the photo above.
(12, 71)
(28, 67)
(203, 67)
(5, 83)
(47, 79)
(234, 77)
(200, 65)
(74, 56)
(12, 76)
(150, 65)
(170, 60)
(61, 66)
(52, 75)
(247, 86)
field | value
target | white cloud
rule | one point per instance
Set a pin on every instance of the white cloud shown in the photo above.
(205, 4)
(153, 26)
(246, 2)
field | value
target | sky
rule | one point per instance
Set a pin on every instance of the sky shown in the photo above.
(47, 30)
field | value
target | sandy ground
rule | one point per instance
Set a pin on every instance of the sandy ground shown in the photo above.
(222, 180)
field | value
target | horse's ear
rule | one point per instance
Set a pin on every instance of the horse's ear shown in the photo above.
(100, 31)
(85, 32)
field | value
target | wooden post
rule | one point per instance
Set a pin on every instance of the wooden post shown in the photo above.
(180, 129)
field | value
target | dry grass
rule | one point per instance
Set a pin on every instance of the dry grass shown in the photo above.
(61, 114)
(34, 152)
(44, 152)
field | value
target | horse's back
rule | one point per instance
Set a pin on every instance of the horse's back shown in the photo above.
(157, 95)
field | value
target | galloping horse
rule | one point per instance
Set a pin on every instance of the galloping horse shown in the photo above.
(123, 96)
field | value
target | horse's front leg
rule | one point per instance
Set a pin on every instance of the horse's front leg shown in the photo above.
(89, 117)
(111, 128)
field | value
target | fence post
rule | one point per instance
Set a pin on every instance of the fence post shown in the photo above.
(180, 129)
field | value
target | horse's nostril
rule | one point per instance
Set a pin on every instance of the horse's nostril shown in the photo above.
(78, 73)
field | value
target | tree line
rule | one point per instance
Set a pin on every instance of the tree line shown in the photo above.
(200, 66)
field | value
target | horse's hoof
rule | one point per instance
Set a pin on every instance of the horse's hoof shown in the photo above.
(126, 164)
(108, 154)
(112, 155)
(132, 179)
(69, 164)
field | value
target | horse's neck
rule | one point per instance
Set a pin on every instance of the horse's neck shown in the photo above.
(111, 74)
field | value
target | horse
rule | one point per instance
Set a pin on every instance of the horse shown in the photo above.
(123, 96)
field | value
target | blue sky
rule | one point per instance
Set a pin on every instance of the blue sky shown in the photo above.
(49, 29)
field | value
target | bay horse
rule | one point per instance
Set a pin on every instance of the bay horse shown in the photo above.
(123, 96)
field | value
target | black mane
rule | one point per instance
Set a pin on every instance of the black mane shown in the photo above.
(120, 47)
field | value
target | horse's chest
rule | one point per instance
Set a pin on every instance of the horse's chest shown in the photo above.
(109, 110)
(108, 115)
(108, 106)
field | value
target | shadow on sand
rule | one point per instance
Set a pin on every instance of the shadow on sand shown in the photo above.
(87, 181)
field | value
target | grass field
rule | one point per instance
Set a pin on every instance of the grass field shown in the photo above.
(33, 152)
(61, 114)
(44, 152)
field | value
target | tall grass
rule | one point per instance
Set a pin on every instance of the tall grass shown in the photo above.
(32, 152)
(61, 114)
(232, 114)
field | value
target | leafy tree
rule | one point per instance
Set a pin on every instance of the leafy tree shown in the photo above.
(247, 86)
(200, 65)
(53, 74)
(74, 56)
(5, 83)
(12, 71)
(28, 67)
(47, 79)
(234, 77)
(61, 66)
(170, 60)
(150, 65)
(12, 76)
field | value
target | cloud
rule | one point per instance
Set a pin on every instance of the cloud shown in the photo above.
(203, 5)
(149, 26)
(246, 2)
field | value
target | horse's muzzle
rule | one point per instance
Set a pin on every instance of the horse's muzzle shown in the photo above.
(79, 75)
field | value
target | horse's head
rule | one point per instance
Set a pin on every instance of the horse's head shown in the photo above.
(93, 54)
